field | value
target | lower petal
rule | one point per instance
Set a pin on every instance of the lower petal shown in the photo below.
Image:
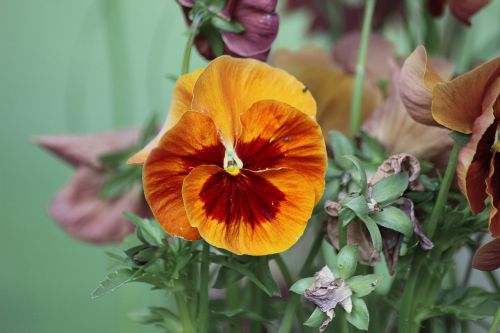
(493, 191)
(254, 213)
(487, 258)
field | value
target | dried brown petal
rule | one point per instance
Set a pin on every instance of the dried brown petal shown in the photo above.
(396, 164)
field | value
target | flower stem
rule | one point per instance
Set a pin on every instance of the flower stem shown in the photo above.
(284, 269)
(445, 186)
(203, 305)
(496, 323)
(183, 311)
(357, 96)
(189, 44)
(294, 301)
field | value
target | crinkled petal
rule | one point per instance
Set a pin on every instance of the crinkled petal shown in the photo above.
(458, 103)
(229, 86)
(85, 150)
(261, 24)
(276, 135)
(465, 9)
(380, 54)
(82, 213)
(193, 141)
(181, 102)
(487, 258)
(254, 213)
(493, 191)
(417, 82)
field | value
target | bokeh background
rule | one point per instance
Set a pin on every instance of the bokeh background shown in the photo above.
(78, 66)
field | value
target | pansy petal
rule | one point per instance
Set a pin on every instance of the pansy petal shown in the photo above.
(181, 102)
(229, 86)
(276, 135)
(193, 141)
(417, 82)
(456, 104)
(493, 191)
(474, 161)
(465, 9)
(487, 258)
(254, 213)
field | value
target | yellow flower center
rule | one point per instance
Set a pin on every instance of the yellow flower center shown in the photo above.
(232, 162)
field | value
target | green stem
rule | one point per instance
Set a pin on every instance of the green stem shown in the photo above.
(183, 311)
(357, 96)
(294, 301)
(444, 189)
(406, 315)
(496, 323)
(205, 273)
(284, 269)
(493, 281)
(189, 44)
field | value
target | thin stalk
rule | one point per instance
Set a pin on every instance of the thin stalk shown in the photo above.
(357, 96)
(183, 311)
(493, 281)
(284, 269)
(342, 235)
(496, 323)
(406, 315)
(444, 189)
(205, 274)
(294, 301)
(189, 44)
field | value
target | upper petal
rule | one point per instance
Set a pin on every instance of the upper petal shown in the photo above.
(254, 213)
(464, 9)
(193, 141)
(181, 102)
(229, 86)
(276, 135)
(458, 103)
(417, 82)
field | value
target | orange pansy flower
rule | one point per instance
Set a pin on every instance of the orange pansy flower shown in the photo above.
(240, 160)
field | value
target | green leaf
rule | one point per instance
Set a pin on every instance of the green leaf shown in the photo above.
(147, 231)
(359, 316)
(361, 172)
(120, 181)
(346, 216)
(373, 230)
(301, 285)
(347, 261)
(371, 149)
(395, 219)
(357, 204)
(226, 277)
(316, 318)
(235, 313)
(158, 316)
(341, 146)
(149, 131)
(390, 188)
(225, 25)
(362, 285)
(113, 281)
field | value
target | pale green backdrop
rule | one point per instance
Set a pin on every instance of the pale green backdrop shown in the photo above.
(76, 66)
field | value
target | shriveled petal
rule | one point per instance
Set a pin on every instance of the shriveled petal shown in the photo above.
(487, 258)
(396, 164)
(193, 141)
(493, 191)
(81, 212)
(331, 87)
(254, 213)
(399, 133)
(465, 9)
(85, 150)
(276, 135)
(261, 24)
(181, 102)
(417, 82)
(229, 86)
(474, 161)
(380, 55)
(458, 103)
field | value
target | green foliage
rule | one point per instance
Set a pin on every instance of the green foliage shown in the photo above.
(301, 285)
(347, 261)
(363, 285)
(359, 316)
(395, 219)
(390, 188)
(159, 317)
(316, 318)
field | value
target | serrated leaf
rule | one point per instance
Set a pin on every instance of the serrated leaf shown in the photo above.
(395, 219)
(373, 230)
(148, 231)
(158, 316)
(359, 316)
(301, 285)
(362, 285)
(113, 281)
(226, 277)
(120, 181)
(316, 318)
(390, 188)
(347, 260)
(341, 146)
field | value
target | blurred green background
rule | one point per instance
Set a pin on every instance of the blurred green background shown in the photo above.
(78, 66)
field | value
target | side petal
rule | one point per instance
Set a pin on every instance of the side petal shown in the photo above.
(276, 135)
(465, 9)
(458, 103)
(254, 213)
(193, 141)
(417, 82)
(487, 258)
(493, 191)
(229, 86)
(474, 161)
(181, 102)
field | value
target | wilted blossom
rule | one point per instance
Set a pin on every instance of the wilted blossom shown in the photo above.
(258, 18)
(79, 208)
(461, 9)
(326, 292)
